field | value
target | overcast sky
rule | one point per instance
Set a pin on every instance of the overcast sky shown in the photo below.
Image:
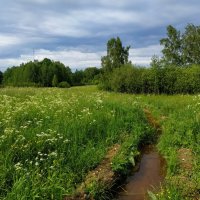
(75, 32)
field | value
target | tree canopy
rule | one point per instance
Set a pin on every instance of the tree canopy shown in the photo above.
(181, 49)
(37, 74)
(117, 55)
(48, 73)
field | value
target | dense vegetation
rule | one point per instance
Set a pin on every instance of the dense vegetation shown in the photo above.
(178, 71)
(1, 77)
(48, 73)
(48, 142)
(157, 80)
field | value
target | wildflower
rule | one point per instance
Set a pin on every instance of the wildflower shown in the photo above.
(66, 141)
(53, 154)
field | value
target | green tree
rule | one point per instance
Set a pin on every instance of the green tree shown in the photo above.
(55, 81)
(117, 55)
(156, 72)
(90, 75)
(172, 47)
(78, 77)
(191, 44)
(1, 77)
(37, 74)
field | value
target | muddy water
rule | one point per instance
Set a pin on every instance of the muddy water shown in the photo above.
(148, 177)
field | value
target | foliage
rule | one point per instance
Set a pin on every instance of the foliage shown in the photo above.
(55, 81)
(172, 46)
(1, 77)
(181, 49)
(178, 71)
(78, 77)
(127, 79)
(42, 73)
(157, 79)
(91, 75)
(64, 84)
(191, 44)
(48, 73)
(117, 55)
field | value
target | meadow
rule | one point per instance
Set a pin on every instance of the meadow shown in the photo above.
(51, 138)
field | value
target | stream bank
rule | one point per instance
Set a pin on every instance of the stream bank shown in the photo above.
(150, 172)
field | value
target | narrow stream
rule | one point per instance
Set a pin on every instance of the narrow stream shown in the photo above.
(148, 177)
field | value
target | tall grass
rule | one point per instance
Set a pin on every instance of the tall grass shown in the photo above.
(179, 116)
(51, 138)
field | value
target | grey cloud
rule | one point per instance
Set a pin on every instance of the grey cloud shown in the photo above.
(87, 25)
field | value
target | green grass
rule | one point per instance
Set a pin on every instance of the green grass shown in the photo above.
(50, 138)
(179, 116)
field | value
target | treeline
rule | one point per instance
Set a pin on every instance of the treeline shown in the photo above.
(166, 80)
(177, 71)
(48, 73)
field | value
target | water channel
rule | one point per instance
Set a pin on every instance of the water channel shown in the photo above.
(149, 176)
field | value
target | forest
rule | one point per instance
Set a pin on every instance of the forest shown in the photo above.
(177, 71)
(47, 73)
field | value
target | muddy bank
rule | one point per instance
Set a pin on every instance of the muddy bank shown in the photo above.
(149, 176)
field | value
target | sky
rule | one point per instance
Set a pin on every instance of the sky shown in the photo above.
(75, 32)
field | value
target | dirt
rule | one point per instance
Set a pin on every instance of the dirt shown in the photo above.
(102, 174)
(152, 121)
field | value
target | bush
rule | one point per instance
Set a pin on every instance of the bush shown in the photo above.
(64, 84)
(157, 79)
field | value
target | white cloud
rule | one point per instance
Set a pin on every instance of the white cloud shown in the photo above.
(147, 51)
(9, 62)
(142, 56)
(6, 40)
(77, 59)
(73, 58)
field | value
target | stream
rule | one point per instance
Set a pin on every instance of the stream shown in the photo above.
(149, 176)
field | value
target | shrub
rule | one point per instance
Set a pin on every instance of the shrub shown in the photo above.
(64, 84)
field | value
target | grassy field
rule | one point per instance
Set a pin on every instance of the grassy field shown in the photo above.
(179, 116)
(51, 138)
